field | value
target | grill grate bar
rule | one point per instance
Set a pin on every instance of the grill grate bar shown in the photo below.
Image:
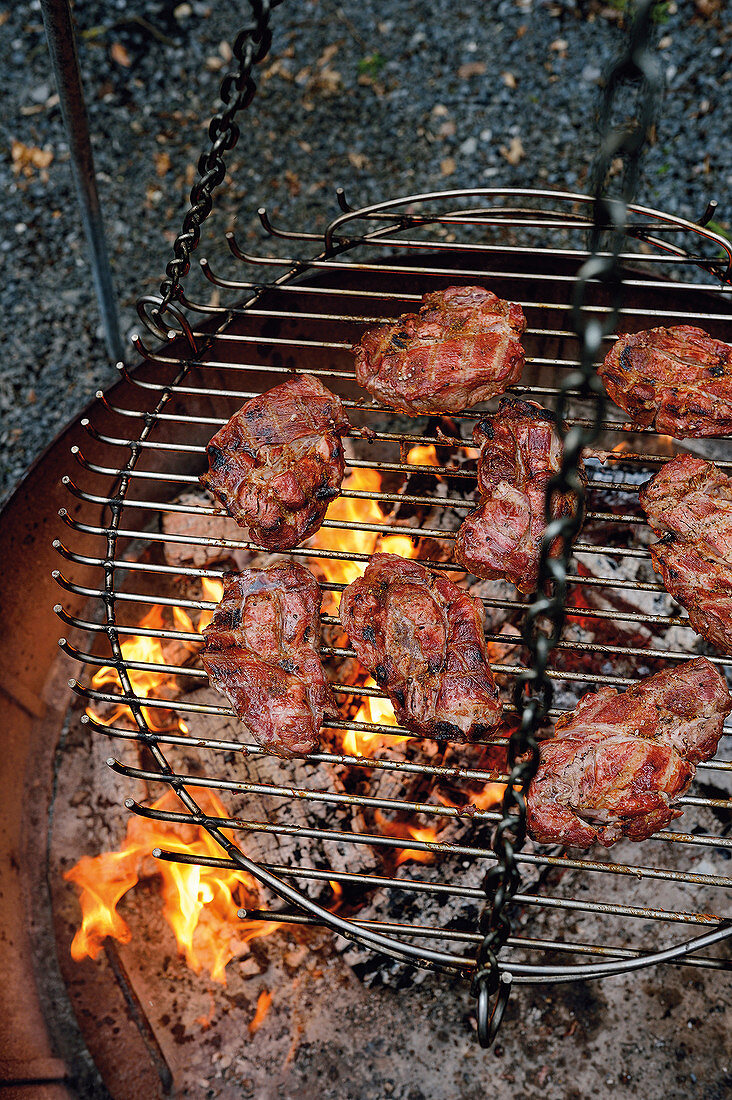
(506, 639)
(505, 604)
(436, 847)
(525, 943)
(346, 878)
(339, 689)
(680, 316)
(504, 669)
(453, 274)
(357, 494)
(372, 763)
(625, 457)
(341, 525)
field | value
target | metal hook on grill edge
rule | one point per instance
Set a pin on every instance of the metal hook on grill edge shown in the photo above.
(489, 1020)
(151, 314)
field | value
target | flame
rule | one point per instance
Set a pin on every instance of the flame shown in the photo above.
(356, 510)
(263, 1002)
(377, 711)
(422, 455)
(213, 590)
(144, 683)
(200, 903)
(337, 895)
(491, 795)
(404, 831)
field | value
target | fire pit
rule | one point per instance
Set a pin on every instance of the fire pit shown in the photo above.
(380, 836)
(607, 906)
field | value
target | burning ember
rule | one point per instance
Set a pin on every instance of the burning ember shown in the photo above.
(200, 903)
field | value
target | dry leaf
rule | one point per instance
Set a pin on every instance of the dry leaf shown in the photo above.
(162, 163)
(521, 31)
(293, 182)
(119, 54)
(708, 7)
(472, 68)
(4, 16)
(328, 53)
(509, 80)
(358, 160)
(448, 166)
(515, 151)
(26, 158)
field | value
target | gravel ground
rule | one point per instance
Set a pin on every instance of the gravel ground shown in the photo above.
(380, 97)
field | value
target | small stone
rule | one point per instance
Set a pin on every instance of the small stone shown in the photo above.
(469, 147)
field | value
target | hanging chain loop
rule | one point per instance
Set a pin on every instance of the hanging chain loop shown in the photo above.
(636, 74)
(237, 91)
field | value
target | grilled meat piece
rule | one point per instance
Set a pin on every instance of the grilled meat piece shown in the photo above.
(461, 348)
(689, 503)
(261, 652)
(680, 377)
(618, 761)
(421, 638)
(279, 461)
(520, 451)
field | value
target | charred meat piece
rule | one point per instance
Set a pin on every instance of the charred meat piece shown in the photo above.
(421, 638)
(689, 503)
(680, 377)
(520, 451)
(279, 461)
(461, 348)
(261, 652)
(618, 761)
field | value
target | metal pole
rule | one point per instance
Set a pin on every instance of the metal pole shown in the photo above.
(65, 62)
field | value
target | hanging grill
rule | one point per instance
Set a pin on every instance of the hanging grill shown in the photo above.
(344, 299)
(303, 312)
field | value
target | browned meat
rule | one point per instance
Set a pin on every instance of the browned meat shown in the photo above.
(461, 348)
(689, 503)
(278, 462)
(261, 652)
(680, 377)
(519, 452)
(421, 638)
(618, 761)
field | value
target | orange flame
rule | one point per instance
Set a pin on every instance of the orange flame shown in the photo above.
(144, 682)
(357, 510)
(404, 831)
(263, 1002)
(201, 903)
(422, 455)
(213, 590)
(377, 711)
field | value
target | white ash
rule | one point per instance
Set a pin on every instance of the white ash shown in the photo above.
(219, 527)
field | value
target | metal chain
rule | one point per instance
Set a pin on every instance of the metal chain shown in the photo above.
(545, 617)
(237, 91)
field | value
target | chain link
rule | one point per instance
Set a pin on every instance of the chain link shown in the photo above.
(545, 617)
(237, 91)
